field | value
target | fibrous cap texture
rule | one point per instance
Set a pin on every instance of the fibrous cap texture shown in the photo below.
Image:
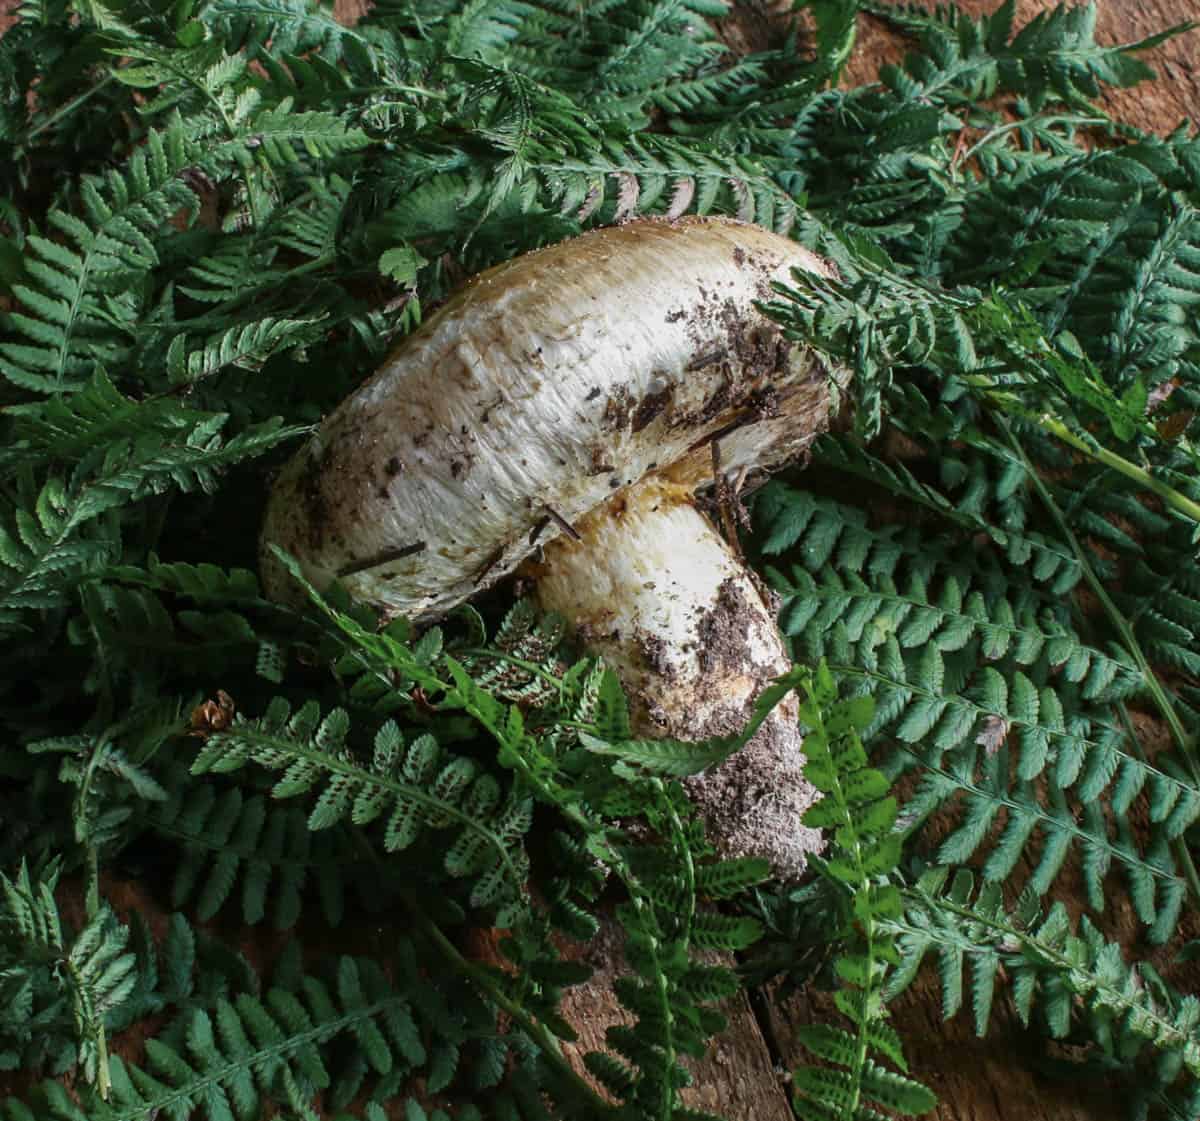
(534, 395)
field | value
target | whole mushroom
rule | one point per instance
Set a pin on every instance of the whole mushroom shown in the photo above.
(560, 413)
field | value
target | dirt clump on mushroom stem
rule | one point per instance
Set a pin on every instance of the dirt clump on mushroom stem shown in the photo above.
(661, 596)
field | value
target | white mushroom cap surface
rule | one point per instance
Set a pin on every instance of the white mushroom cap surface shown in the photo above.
(545, 386)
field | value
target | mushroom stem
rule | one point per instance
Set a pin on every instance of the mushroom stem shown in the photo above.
(653, 588)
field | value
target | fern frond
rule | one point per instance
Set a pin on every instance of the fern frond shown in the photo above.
(266, 854)
(293, 27)
(231, 1059)
(484, 28)
(956, 666)
(238, 268)
(977, 726)
(818, 529)
(44, 552)
(133, 469)
(671, 178)
(860, 814)
(93, 970)
(644, 42)
(417, 785)
(880, 582)
(1156, 888)
(203, 583)
(80, 285)
(1055, 55)
(246, 348)
(65, 429)
(1076, 979)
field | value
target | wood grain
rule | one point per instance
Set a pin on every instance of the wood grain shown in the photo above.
(351, 11)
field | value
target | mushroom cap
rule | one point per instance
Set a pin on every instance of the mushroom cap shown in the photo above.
(536, 393)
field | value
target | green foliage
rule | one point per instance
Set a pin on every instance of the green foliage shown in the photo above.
(965, 668)
(1036, 425)
(1078, 983)
(232, 1052)
(409, 787)
(667, 990)
(67, 315)
(236, 844)
(92, 973)
(218, 217)
(859, 816)
(1054, 56)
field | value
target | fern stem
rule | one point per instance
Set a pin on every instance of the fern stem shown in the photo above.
(103, 1078)
(82, 815)
(69, 107)
(535, 1029)
(866, 924)
(1009, 403)
(1124, 629)
(680, 844)
(1175, 499)
(350, 92)
(1183, 741)
(80, 985)
(92, 879)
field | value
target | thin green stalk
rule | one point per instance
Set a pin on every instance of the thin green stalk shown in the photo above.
(91, 857)
(1124, 629)
(1172, 497)
(1183, 741)
(535, 1029)
(1009, 403)
(384, 88)
(315, 265)
(666, 1103)
(103, 1078)
(91, 865)
(91, 872)
(69, 107)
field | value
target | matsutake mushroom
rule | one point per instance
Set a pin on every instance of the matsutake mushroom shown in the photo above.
(561, 413)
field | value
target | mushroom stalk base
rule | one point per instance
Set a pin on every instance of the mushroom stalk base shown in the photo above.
(653, 588)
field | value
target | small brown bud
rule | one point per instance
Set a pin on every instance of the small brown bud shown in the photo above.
(213, 716)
